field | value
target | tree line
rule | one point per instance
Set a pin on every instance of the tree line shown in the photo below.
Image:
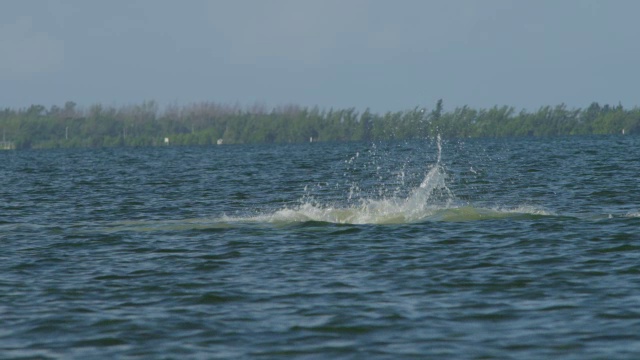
(208, 123)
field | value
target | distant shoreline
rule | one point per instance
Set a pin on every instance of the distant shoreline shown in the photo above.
(210, 123)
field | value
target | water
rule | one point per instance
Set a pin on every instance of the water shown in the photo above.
(523, 248)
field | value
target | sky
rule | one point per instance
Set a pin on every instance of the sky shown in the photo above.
(383, 55)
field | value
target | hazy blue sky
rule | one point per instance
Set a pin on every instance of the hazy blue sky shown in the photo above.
(386, 55)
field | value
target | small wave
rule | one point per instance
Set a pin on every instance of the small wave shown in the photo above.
(372, 213)
(470, 213)
(384, 213)
(525, 210)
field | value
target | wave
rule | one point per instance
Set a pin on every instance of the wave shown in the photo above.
(384, 212)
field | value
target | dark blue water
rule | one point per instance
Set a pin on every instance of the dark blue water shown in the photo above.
(489, 249)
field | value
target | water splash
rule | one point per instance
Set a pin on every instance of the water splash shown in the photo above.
(380, 188)
(381, 206)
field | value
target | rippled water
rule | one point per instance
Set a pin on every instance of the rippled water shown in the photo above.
(523, 248)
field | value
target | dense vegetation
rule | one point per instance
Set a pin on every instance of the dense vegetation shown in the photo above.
(206, 123)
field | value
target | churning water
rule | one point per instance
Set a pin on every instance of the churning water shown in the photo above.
(522, 248)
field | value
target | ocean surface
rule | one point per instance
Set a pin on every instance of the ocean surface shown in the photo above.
(453, 249)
